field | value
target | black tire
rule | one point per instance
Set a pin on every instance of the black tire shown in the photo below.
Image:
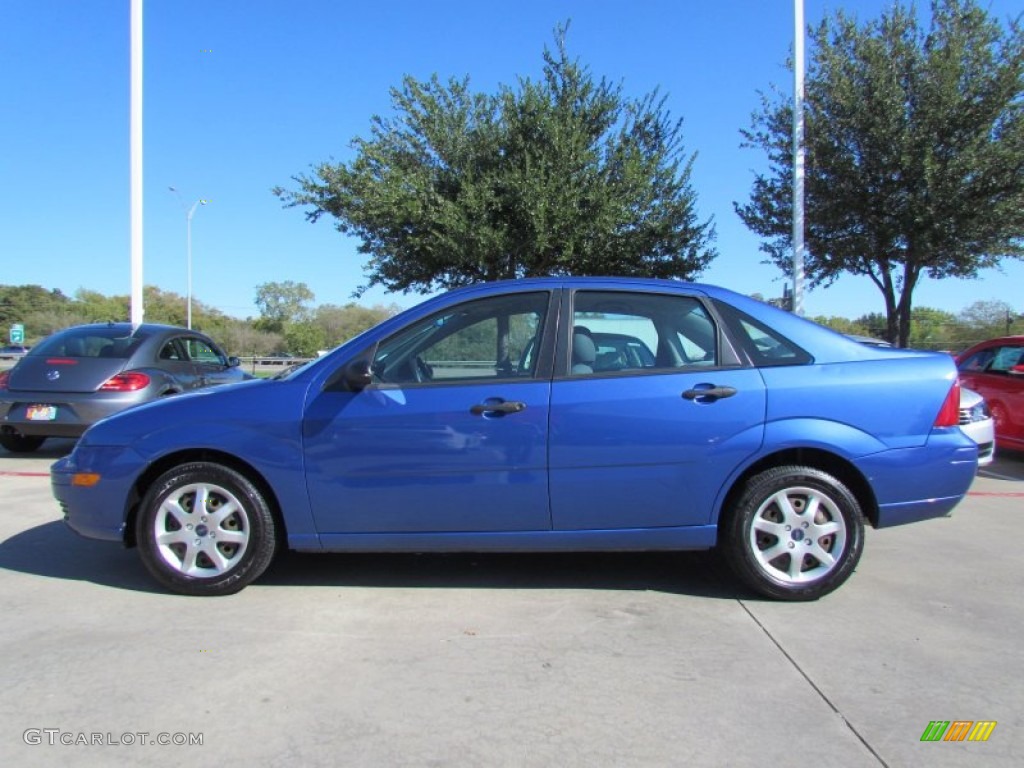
(789, 512)
(15, 442)
(229, 544)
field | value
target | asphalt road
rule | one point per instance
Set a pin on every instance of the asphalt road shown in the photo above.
(506, 660)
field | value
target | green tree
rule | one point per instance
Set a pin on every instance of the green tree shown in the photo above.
(340, 324)
(171, 308)
(282, 303)
(932, 328)
(843, 325)
(34, 307)
(986, 319)
(97, 308)
(874, 324)
(18, 301)
(304, 338)
(560, 175)
(915, 153)
(241, 338)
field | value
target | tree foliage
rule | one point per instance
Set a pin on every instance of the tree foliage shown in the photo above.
(340, 324)
(329, 325)
(43, 312)
(560, 175)
(915, 153)
(304, 338)
(844, 325)
(283, 303)
(939, 329)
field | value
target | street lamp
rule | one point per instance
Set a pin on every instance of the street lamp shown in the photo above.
(189, 211)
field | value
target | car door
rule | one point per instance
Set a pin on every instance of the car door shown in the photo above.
(209, 363)
(647, 442)
(450, 436)
(173, 359)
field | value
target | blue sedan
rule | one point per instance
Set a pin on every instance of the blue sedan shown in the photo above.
(540, 415)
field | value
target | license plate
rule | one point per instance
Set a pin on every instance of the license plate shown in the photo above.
(42, 412)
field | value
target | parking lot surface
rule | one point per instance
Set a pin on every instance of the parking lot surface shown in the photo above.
(511, 660)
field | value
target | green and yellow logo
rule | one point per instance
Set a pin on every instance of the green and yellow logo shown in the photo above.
(958, 730)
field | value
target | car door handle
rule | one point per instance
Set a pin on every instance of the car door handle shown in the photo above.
(509, 406)
(709, 394)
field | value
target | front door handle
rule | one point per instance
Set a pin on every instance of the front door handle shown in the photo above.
(709, 394)
(503, 406)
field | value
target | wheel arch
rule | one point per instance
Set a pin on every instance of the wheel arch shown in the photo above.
(837, 466)
(164, 463)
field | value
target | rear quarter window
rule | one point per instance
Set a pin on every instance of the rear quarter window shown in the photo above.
(764, 346)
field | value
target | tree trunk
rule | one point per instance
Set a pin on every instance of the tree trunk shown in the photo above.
(904, 312)
(892, 328)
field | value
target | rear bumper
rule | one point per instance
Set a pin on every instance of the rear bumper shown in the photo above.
(45, 429)
(921, 483)
(73, 413)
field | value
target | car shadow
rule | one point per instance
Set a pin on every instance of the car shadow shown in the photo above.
(54, 448)
(53, 551)
(699, 573)
(1009, 465)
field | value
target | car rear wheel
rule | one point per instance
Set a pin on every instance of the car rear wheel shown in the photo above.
(15, 442)
(205, 529)
(796, 533)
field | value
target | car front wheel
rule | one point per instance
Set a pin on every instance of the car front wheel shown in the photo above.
(796, 533)
(205, 529)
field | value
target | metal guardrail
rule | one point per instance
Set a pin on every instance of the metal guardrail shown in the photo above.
(270, 360)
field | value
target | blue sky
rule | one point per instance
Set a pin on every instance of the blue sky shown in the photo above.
(241, 96)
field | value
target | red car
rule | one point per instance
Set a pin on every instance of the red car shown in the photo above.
(995, 368)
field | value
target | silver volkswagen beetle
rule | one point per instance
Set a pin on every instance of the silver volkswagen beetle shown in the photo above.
(77, 376)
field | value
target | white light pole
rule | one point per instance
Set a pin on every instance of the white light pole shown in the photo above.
(189, 211)
(135, 162)
(798, 158)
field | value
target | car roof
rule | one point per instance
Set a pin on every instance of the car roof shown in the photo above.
(1002, 340)
(126, 326)
(998, 341)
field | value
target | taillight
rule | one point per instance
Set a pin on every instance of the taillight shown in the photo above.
(5, 376)
(949, 413)
(125, 382)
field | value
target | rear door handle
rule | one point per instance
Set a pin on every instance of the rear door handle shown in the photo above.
(709, 394)
(503, 406)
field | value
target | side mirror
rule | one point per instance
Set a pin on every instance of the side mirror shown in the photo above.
(1017, 370)
(357, 375)
(234, 362)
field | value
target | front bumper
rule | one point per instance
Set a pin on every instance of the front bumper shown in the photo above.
(98, 511)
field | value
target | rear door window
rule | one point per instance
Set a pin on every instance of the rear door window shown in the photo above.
(621, 331)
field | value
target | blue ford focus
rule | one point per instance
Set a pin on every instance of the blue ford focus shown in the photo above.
(540, 415)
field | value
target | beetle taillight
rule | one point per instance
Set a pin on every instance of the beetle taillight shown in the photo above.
(949, 413)
(125, 382)
(5, 377)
